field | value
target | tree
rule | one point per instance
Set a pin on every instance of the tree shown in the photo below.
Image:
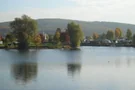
(57, 35)
(103, 36)
(24, 28)
(9, 39)
(118, 33)
(42, 38)
(1, 38)
(95, 36)
(51, 37)
(64, 37)
(129, 34)
(75, 33)
(134, 39)
(58, 30)
(37, 40)
(110, 35)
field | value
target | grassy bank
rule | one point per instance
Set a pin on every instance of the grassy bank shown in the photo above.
(39, 46)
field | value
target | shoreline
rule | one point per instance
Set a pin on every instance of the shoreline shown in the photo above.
(44, 47)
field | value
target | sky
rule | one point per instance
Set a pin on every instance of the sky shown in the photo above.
(85, 10)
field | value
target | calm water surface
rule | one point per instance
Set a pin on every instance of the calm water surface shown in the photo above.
(92, 68)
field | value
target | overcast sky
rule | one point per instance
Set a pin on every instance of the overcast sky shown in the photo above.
(86, 10)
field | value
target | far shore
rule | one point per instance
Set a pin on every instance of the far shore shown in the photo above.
(44, 47)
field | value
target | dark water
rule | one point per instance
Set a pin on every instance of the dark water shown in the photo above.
(92, 68)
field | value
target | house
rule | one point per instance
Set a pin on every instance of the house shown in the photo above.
(1, 42)
(64, 37)
(106, 41)
(88, 39)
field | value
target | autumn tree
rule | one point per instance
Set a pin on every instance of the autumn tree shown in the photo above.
(1, 38)
(118, 33)
(24, 28)
(64, 37)
(95, 36)
(110, 35)
(37, 40)
(42, 38)
(75, 33)
(57, 36)
(129, 34)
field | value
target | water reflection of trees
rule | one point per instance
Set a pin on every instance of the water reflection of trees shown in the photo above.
(124, 61)
(73, 69)
(24, 72)
(74, 63)
(24, 65)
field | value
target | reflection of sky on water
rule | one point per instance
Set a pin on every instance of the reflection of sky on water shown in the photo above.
(92, 68)
(113, 56)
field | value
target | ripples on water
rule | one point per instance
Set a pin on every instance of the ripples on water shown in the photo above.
(91, 68)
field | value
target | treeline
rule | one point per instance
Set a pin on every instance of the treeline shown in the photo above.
(113, 35)
(24, 32)
(73, 35)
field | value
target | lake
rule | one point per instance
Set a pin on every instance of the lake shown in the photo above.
(91, 68)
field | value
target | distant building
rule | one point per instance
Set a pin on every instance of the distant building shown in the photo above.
(44, 37)
(88, 39)
(64, 37)
(1, 42)
(106, 41)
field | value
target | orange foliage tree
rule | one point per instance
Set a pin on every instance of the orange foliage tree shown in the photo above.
(95, 36)
(118, 33)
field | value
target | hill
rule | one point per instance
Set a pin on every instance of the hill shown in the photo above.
(50, 26)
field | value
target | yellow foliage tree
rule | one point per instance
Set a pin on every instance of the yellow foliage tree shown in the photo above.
(57, 36)
(95, 36)
(118, 33)
(37, 40)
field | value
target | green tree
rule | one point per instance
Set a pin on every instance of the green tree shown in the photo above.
(103, 36)
(9, 39)
(129, 34)
(24, 28)
(50, 39)
(75, 33)
(110, 35)
(58, 30)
